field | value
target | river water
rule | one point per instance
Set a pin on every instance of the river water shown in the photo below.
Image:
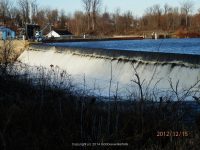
(181, 46)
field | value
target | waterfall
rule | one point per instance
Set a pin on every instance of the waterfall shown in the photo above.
(157, 71)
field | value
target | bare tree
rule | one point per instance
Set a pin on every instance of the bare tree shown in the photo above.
(5, 6)
(52, 15)
(182, 94)
(6, 55)
(105, 23)
(109, 95)
(78, 24)
(166, 8)
(34, 9)
(95, 8)
(41, 17)
(157, 11)
(24, 9)
(128, 21)
(140, 83)
(166, 20)
(62, 19)
(186, 8)
(153, 17)
(116, 18)
(91, 7)
(87, 6)
(28, 9)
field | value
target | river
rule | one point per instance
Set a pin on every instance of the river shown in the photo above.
(180, 46)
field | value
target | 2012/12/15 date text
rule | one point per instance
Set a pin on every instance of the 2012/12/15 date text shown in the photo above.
(173, 133)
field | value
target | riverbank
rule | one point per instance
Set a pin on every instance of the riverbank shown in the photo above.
(94, 39)
(37, 115)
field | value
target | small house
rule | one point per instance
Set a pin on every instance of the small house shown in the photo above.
(59, 34)
(6, 33)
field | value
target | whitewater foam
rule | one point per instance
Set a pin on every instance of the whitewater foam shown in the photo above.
(96, 66)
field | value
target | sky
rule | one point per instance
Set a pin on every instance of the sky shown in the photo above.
(136, 6)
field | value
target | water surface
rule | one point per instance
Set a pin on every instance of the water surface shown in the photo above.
(181, 46)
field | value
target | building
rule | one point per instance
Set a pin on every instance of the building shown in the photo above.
(59, 34)
(30, 30)
(6, 33)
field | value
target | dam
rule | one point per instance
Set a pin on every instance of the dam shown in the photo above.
(110, 72)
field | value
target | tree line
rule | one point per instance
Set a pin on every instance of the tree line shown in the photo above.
(97, 22)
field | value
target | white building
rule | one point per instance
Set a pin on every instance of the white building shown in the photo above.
(59, 34)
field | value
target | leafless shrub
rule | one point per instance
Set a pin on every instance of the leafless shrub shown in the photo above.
(7, 54)
(183, 94)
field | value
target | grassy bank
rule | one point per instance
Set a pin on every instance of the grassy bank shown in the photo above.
(41, 117)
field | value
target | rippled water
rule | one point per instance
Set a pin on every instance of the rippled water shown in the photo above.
(182, 46)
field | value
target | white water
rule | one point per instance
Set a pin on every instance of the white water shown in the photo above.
(97, 72)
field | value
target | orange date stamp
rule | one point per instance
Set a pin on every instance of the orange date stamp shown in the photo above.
(172, 133)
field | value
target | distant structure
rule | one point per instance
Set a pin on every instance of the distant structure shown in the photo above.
(156, 36)
(6, 33)
(30, 30)
(59, 33)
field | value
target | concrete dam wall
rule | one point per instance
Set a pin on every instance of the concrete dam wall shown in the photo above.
(114, 70)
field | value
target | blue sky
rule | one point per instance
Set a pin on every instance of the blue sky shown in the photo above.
(136, 6)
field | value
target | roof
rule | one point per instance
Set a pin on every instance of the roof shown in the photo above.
(63, 32)
(2, 28)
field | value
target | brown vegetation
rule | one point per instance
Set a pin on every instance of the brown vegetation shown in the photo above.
(165, 19)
